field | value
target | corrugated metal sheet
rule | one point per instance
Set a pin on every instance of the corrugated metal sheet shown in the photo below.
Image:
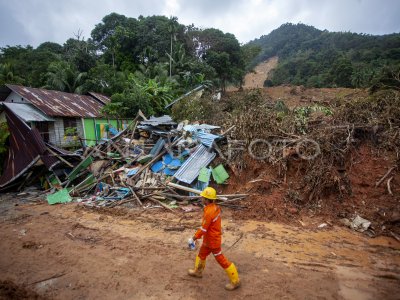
(164, 120)
(206, 127)
(157, 147)
(60, 104)
(190, 128)
(27, 112)
(199, 132)
(190, 169)
(206, 139)
(26, 148)
(104, 99)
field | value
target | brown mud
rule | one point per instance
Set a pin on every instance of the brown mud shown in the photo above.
(71, 252)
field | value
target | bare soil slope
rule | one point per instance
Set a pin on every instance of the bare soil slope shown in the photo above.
(256, 79)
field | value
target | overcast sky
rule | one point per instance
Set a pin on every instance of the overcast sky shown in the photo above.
(33, 22)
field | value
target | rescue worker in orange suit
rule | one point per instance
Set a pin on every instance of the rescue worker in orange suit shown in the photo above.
(210, 230)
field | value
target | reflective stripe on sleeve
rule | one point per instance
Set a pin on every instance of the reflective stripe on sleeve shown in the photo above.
(216, 218)
(202, 229)
(219, 253)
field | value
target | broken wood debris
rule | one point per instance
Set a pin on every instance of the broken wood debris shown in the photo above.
(137, 167)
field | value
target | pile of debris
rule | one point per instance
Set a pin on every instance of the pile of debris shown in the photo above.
(152, 163)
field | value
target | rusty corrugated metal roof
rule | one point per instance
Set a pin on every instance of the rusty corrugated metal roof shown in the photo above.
(104, 99)
(60, 104)
(26, 148)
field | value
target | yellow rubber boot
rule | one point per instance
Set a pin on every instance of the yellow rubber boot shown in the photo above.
(233, 277)
(199, 266)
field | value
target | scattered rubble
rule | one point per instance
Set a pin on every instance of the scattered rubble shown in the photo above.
(153, 163)
(287, 161)
(358, 223)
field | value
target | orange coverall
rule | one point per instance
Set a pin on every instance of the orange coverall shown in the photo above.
(210, 230)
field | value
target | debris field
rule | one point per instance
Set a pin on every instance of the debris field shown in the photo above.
(130, 202)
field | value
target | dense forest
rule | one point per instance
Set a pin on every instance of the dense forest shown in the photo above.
(315, 58)
(146, 62)
(142, 63)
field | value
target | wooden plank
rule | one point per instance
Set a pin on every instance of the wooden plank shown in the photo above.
(162, 204)
(136, 197)
(183, 188)
(60, 158)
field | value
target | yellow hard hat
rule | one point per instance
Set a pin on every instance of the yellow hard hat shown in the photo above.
(209, 193)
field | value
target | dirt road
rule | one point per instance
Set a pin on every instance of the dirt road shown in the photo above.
(72, 252)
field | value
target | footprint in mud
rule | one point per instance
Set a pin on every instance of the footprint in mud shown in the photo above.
(20, 219)
(80, 232)
(31, 245)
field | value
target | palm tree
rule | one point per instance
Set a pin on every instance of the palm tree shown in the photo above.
(64, 77)
(172, 27)
(7, 75)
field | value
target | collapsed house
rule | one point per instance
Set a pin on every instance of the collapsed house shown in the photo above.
(151, 160)
(154, 160)
(62, 119)
(42, 121)
(29, 157)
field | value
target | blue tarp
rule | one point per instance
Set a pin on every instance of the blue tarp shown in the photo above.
(132, 172)
(169, 165)
(157, 166)
(113, 131)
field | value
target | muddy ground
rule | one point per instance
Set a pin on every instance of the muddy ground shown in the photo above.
(74, 252)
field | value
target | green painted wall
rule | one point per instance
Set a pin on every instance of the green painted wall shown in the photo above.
(91, 135)
(89, 131)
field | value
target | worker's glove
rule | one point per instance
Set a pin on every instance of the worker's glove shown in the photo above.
(191, 244)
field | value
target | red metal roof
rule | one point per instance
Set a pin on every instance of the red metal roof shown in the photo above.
(60, 104)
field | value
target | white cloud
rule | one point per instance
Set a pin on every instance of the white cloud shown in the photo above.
(33, 22)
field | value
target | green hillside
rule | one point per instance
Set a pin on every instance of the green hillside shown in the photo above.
(319, 58)
(146, 62)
